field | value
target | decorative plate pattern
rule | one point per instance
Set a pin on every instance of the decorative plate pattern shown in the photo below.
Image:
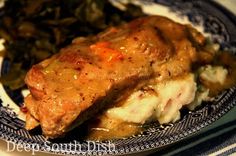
(210, 18)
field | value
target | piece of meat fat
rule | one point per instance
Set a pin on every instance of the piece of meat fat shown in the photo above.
(91, 73)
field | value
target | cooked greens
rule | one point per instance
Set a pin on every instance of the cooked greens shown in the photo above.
(34, 30)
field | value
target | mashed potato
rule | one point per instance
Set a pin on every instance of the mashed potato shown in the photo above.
(213, 74)
(160, 102)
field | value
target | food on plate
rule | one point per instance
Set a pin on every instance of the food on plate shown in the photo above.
(140, 72)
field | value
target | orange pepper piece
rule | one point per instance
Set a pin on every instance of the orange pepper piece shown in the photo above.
(105, 52)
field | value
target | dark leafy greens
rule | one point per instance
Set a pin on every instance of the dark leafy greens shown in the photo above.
(35, 30)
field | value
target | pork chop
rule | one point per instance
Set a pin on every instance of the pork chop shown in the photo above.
(92, 72)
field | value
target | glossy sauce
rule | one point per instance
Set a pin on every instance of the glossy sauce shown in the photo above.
(105, 128)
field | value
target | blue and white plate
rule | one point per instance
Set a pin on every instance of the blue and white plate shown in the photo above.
(208, 17)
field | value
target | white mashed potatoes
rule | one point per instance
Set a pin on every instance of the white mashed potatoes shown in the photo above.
(210, 74)
(214, 74)
(160, 102)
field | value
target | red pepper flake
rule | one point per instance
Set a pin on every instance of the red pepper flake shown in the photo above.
(24, 109)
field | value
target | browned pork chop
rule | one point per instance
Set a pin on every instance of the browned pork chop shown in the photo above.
(70, 87)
